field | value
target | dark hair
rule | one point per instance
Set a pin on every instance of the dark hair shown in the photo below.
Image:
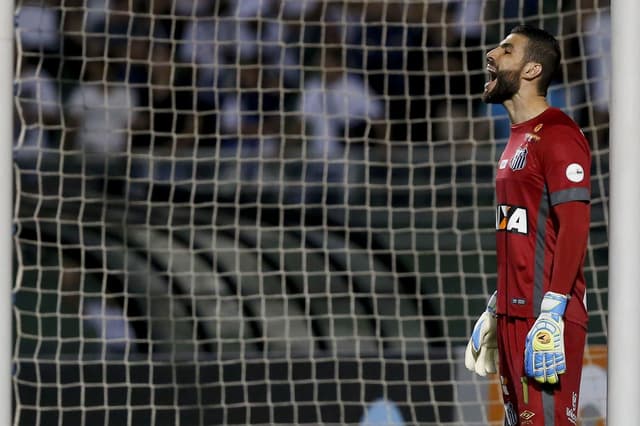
(542, 48)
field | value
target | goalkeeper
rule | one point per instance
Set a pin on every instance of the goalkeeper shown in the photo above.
(534, 327)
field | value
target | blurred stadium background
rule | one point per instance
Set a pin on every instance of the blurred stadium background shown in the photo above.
(272, 211)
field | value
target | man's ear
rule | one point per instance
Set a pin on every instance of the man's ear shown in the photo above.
(531, 70)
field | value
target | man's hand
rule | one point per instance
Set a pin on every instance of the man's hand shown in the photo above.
(544, 349)
(481, 355)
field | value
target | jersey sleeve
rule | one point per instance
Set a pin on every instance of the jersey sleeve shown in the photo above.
(566, 164)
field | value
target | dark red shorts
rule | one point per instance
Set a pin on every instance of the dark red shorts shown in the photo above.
(526, 401)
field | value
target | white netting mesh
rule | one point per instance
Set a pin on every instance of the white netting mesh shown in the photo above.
(272, 211)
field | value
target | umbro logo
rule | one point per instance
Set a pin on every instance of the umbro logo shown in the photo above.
(526, 417)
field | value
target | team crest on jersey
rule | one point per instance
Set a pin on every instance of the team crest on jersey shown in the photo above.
(519, 159)
(511, 219)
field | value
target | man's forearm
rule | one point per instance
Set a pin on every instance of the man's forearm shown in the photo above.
(571, 243)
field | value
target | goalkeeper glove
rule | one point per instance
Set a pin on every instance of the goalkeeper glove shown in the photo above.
(544, 349)
(481, 355)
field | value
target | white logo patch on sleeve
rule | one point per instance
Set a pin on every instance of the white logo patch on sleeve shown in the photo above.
(575, 172)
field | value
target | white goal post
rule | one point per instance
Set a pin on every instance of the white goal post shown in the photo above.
(624, 267)
(273, 211)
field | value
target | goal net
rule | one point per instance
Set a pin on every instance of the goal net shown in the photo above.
(273, 211)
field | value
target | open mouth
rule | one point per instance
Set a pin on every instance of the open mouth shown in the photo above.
(493, 75)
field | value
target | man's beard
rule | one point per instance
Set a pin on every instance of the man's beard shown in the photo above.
(506, 86)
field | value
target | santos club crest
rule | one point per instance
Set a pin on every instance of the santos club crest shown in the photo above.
(519, 159)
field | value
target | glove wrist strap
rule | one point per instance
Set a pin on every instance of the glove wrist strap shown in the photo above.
(554, 303)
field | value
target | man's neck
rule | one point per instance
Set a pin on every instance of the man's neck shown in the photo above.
(521, 109)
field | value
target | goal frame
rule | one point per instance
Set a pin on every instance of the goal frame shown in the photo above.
(624, 249)
(624, 237)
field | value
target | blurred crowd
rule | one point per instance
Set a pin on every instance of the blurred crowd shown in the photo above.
(313, 83)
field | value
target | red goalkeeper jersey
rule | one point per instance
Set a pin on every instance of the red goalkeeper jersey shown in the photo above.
(546, 162)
